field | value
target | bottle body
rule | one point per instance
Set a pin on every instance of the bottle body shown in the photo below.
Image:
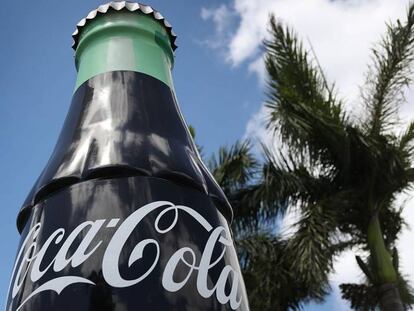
(125, 216)
(132, 243)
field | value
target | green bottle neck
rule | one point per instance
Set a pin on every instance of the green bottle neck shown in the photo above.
(124, 41)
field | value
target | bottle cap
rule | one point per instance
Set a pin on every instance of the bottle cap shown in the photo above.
(124, 5)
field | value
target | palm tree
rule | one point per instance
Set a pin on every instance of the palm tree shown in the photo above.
(366, 297)
(270, 276)
(341, 172)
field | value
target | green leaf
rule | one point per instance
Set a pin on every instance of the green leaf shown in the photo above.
(302, 107)
(364, 267)
(389, 75)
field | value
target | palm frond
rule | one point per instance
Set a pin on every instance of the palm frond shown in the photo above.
(248, 212)
(271, 279)
(405, 142)
(312, 247)
(366, 297)
(283, 184)
(303, 108)
(290, 180)
(233, 167)
(406, 291)
(361, 297)
(389, 74)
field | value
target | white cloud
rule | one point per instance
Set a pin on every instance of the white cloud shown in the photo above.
(405, 241)
(258, 67)
(342, 32)
(255, 129)
(346, 271)
(222, 18)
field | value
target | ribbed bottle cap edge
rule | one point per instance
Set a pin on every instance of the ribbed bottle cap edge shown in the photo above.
(124, 5)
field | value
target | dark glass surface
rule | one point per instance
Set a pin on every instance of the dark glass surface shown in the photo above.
(123, 123)
(118, 198)
(125, 216)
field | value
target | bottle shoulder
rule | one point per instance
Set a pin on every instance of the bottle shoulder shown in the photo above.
(124, 123)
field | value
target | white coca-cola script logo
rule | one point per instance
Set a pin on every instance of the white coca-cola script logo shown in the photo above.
(31, 256)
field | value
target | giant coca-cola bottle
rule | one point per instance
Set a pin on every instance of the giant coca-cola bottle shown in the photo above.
(125, 216)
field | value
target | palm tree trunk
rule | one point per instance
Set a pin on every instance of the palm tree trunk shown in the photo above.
(390, 299)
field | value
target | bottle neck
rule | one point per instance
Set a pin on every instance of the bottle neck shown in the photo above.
(124, 41)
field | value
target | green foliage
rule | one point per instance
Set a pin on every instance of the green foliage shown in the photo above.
(303, 108)
(360, 296)
(344, 172)
(234, 167)
(310, 250)
(366, 296)
(192, 131)
(271, 278)
(388, 75)
(337, 171)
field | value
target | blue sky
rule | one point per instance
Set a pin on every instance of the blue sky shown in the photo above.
(218, 78)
